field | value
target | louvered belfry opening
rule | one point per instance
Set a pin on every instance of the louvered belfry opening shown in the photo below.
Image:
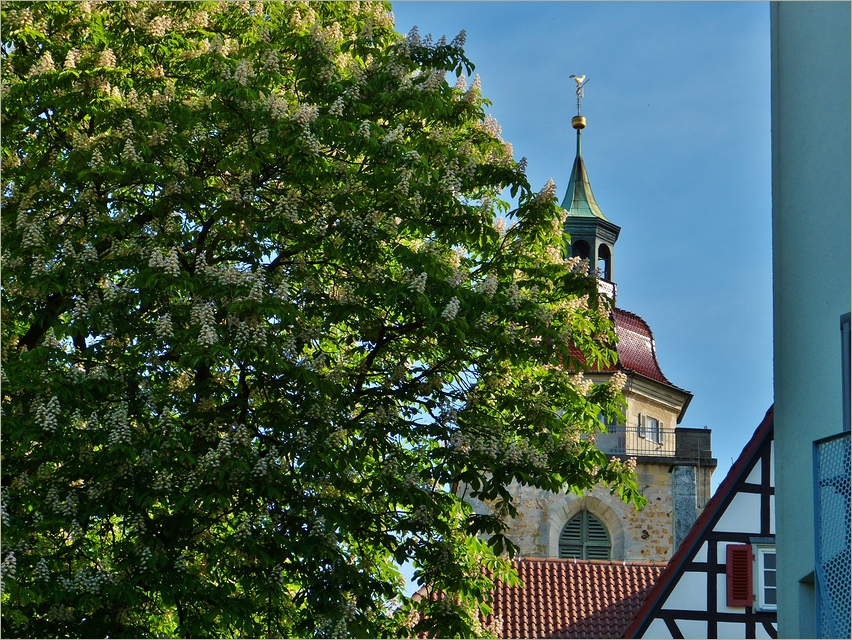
(585, 537)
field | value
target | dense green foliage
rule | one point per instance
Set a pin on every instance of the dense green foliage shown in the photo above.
(262, 325)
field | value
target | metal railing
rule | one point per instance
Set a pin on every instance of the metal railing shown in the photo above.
(637, 441)
(832, 498)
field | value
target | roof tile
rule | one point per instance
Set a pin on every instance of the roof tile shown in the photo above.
(571, 598)
(637, 352)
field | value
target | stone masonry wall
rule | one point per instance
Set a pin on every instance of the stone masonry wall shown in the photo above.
(645, 535)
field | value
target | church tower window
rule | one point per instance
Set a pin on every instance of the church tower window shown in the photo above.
(581, 249)
(585, 537)
(604, 256)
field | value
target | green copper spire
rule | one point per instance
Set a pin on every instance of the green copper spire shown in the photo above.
(592, 236)
(579, 200)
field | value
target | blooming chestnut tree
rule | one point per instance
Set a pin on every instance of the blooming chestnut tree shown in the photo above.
(263, 325)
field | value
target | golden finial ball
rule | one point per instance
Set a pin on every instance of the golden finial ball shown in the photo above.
(578, 122)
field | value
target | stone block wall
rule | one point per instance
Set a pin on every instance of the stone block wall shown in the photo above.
(644, 535)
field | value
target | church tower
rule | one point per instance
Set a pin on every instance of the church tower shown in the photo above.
(593, 237)
(673, 464)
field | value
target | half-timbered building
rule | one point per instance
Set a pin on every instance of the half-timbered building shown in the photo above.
(721, 581)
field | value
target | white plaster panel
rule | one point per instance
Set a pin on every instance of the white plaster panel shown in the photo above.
(730, 630)
(657, 629)
(742, 514)
(722, 597)
(690, 593)
(754, 476)
(772, 515)
(772, 463)
(760, 632)
(692, 628)
(701, 554)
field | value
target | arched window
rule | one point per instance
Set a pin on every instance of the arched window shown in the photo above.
(604, 261)
(585, 537)
(581, 249)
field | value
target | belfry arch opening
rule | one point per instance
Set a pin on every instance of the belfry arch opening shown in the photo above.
(605, 262)
(581, 249)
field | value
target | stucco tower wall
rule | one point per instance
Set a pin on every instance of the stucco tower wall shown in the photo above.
(811, 271)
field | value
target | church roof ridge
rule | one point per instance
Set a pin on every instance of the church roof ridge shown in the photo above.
(620, 563)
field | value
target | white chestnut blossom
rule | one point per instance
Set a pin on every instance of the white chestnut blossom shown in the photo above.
(492, 127)
(116, 422)
(554, 254)
(548, 192)
(475, 88)
(129, 152)
(199, 19)
(310, 141)
(451, 309)
(106, 59)
(43, 65)
(618, 380)
(514, 295)
(336, 108)
(8, 566)
(488, 287)
(582, 384)
(203, 314)
(164, 326)
(243, 71)
(395, 135)
(46, 414)
(97, 161)
(159, 26)
(418, 284)
(71, 59)
(306, 114)
(270, 60)
(42, 572)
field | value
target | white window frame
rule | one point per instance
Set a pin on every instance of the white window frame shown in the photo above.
(654, 434)
(760, 553)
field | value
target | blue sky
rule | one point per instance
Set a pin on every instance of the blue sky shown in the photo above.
(678, 153)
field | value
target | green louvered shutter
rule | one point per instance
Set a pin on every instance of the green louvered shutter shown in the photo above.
(585, 537)
(597, 539)
(571, 539)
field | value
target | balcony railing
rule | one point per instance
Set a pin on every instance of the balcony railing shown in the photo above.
(832, 497)
(637, 441)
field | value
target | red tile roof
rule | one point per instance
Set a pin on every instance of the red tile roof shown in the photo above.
(636, 349)
(571, 598)
(637, 352)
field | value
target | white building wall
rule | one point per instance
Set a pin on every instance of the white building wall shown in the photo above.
(811, 270)
(657, 629)
(743, 514)
(690, 593)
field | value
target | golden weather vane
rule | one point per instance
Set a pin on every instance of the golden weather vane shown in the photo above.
(581, 83)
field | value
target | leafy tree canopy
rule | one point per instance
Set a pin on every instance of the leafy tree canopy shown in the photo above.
(263, 326)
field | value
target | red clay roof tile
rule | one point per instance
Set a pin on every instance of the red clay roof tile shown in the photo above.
(571, 598)
(637, 352)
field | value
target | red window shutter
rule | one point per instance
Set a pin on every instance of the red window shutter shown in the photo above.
(739, 572)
